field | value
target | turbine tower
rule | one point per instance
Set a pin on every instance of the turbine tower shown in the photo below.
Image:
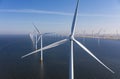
(84, 35)
(71, 39)
(92, 34)
(41, 39)
(117, 35)
(98, 36)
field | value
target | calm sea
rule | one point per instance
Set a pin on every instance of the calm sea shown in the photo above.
(56, 60)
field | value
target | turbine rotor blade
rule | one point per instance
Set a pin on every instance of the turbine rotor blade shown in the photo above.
(36, 28)
(47, 47)
(90, 53)
(42, 34)
(38, 38)
(31, 37)
(74, 19)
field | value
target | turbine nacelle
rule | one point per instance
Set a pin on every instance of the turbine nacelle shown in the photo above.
(71, 37)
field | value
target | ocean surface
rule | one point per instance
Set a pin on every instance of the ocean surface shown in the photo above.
(56, 60)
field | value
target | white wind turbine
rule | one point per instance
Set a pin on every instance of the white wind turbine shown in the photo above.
(93, 34)
(98, 36)
(39, 37)
(71, 39)
(117, 35)
(35, 37)
(84, 35)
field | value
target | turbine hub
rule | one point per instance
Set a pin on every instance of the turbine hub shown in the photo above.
(71, 37)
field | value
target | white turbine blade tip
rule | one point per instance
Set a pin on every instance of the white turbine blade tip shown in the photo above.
(22, 57)
(36, 28)
(90, 53)
(31, 53)
(113, 72)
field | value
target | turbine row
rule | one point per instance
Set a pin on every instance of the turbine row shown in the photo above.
(72, 41)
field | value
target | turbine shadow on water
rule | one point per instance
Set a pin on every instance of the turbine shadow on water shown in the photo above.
(41, 70)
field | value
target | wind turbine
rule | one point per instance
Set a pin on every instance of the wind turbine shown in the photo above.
(41, 40)
(117, 35)
(104, 34)
(92, 33)
(98, 36)
(72, 40)
(84, 35)
(35, 37)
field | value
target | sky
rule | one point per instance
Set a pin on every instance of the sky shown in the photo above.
(18, 16)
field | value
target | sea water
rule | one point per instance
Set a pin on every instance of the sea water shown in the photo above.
(56, 60)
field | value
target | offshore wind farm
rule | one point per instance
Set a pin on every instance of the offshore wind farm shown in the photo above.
(35, 43)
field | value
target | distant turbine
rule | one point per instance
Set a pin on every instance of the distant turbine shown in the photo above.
(41, 40)
(35, 36)
(104, 34)
(92, 33)
(84, 36)
(41, 36)
(117, 35)
(98, 36)
(71, 39)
